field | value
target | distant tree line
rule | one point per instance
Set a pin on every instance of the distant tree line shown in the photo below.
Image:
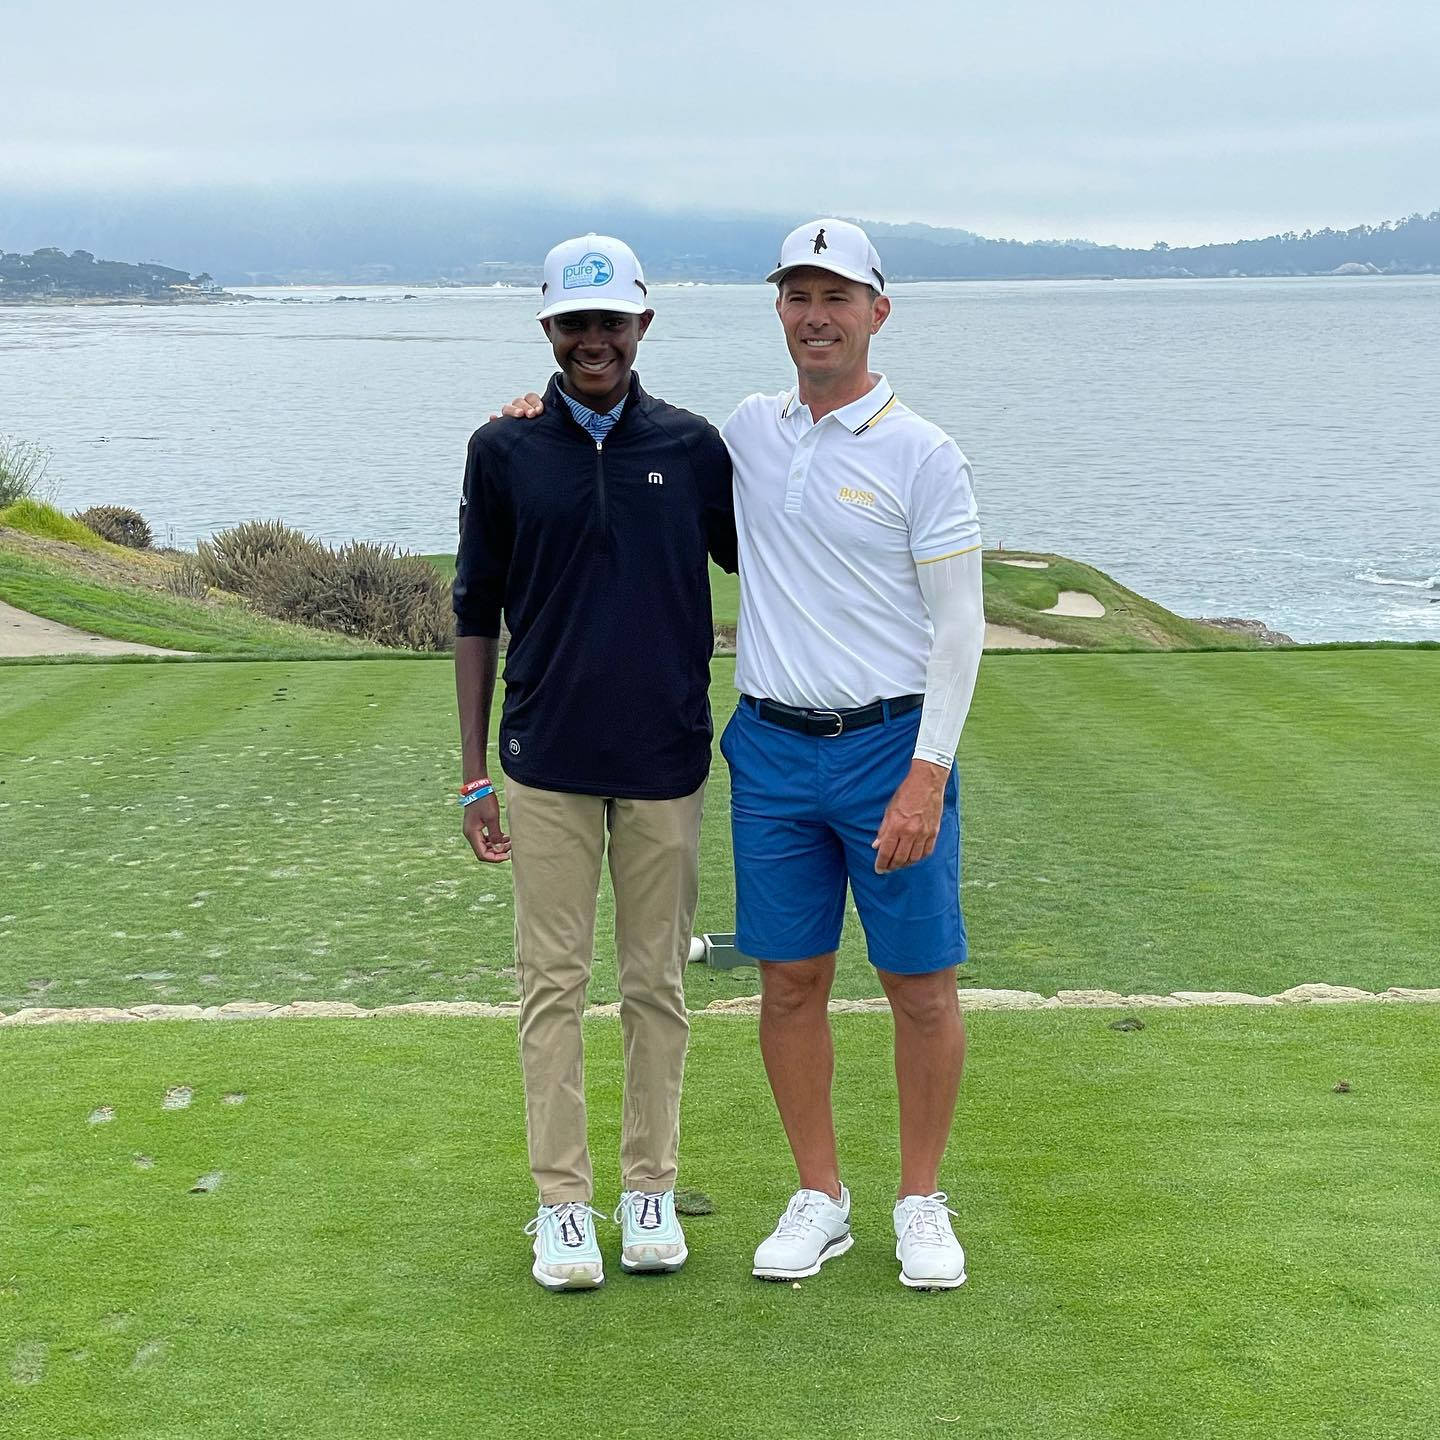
(51, 273)
(1410, 246)
(419, 234)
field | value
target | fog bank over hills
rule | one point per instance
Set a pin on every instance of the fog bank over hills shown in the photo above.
(418, 235)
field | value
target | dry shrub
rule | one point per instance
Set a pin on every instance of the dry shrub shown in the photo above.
(372, 592)
(118, 524)
(187, 579)
(22, 470)
(232, 559)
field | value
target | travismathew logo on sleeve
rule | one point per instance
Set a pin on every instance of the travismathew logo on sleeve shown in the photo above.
(591, 269)
(819, 240)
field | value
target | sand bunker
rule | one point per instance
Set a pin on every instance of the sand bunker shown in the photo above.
(1028, 564)
(23, 634)
(1077, 604)
(1007, 637)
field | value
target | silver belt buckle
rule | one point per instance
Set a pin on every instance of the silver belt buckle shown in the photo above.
(839, 729)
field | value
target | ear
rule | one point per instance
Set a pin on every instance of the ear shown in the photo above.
(645, 317)
(880, 313)
(545, 326)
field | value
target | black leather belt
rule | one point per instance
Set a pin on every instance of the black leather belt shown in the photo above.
(829, 724)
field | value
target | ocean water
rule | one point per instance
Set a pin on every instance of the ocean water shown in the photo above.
(1266, 448)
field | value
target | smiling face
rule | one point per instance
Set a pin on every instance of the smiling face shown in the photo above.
(828, 322)
(595, 350)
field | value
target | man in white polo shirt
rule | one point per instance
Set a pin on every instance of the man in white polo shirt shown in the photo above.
(861, 629)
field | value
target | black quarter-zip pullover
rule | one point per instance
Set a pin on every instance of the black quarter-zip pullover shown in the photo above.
(595, 553)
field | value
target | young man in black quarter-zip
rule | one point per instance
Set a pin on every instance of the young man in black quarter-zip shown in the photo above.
(589, 529)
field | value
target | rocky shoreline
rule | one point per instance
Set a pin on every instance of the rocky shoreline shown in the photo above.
(1256, 628)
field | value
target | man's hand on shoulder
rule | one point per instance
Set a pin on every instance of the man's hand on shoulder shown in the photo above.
(527, 407)
(912, 818)
(481, 824)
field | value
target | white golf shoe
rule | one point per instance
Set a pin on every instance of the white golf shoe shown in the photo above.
(930, 1256)
(650, 1234)
(567, 1254)
(813, 1229)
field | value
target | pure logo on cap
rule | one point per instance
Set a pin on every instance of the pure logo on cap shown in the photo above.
(591, 269)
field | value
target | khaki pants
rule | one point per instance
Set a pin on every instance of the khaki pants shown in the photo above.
(557, 843)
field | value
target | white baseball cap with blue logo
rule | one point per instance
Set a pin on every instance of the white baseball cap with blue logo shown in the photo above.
(593, 272)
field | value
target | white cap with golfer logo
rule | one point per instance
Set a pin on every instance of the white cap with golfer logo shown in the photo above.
(834, 245)
(593, 272)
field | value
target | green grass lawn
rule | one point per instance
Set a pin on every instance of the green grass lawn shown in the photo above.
(1135, 822)
(156, 617)
(1176, 1231)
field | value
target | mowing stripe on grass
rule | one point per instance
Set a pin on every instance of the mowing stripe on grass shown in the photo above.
(1141, 823)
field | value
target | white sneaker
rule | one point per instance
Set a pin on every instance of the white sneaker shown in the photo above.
(930, 1256)
(567, 1255)
(650, 1234)
(813, 1229)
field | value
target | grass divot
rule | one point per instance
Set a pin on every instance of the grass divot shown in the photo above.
(28, 1365)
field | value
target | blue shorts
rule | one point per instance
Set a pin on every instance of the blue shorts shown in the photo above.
(803, 814)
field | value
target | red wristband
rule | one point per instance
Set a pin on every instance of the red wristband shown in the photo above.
(471, 786)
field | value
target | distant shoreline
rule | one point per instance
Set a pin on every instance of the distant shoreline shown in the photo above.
(243, 297)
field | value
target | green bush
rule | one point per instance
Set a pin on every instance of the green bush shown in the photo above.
(22, 470)
(34, 517)
(373, 592)
(118, 524)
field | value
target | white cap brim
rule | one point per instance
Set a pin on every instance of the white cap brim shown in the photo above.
(820, 263)
(592, 302)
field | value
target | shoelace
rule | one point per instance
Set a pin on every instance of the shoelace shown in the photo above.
(645, 1207)
(572, 1215)
(924, 1224)
(798, 1217)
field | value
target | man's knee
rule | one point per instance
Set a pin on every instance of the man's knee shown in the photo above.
(927, 1002)
(792, 986)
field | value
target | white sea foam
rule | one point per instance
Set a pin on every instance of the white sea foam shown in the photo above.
(1374, 577)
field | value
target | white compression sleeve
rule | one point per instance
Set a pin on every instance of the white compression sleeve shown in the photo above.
(954, 594)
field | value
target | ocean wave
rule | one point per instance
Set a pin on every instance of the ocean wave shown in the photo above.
(1374, 577)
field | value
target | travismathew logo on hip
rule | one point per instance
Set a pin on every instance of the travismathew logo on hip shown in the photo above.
(591, 269)
(820, 240)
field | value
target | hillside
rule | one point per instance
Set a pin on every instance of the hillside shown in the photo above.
(51, 274)
(416, 234)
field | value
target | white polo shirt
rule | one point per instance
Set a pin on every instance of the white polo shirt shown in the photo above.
(833, 519)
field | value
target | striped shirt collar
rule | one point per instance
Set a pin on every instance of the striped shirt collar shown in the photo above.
(598, 425)
(857, 417)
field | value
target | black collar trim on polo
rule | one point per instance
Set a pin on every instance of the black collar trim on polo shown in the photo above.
(876, 418)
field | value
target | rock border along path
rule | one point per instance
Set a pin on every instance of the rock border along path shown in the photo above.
(970, 999)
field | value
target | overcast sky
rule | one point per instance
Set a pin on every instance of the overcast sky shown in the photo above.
(1036, 118)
